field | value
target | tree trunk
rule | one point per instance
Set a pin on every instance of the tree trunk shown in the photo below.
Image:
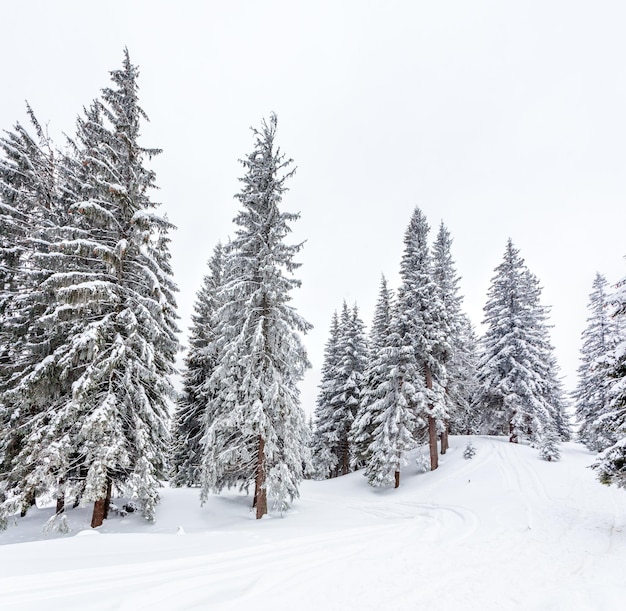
(107, 498)
(397, 479)
(345, 460)
(444, 438)
(82, 474)
(29, 501)
(261, 491)
(432, 425)
(432, 442)
(61, 497)
(97, 517)
(512, 433)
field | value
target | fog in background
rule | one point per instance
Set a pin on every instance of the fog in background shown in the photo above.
(503, 119)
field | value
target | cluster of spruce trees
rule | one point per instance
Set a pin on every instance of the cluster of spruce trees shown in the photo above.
(422, 374)
(88, 339)
(88, 336)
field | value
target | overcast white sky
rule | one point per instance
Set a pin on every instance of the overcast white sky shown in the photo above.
(503, 119)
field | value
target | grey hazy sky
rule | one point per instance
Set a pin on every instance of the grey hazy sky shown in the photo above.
(503, 119)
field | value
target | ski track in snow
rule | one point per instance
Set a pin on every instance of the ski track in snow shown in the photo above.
(466, 536)
(223, 574)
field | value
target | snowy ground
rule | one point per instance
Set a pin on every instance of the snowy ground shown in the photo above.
(504, 530)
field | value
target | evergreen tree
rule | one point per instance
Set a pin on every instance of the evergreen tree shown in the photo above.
(463, 381)
(200, 362)
(112, 294)
(548, 447)
(29, 215)
(395, 410)
(611, 463)
(460, 363)
(557, 398)
(353, 353)
(362, 430)
(340, 394)
(258, 433)
(28, 212)
(591, 395)
(424, 325)
(516, 365)
(325, 454)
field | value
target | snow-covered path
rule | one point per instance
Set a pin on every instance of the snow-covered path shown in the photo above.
(504, 530)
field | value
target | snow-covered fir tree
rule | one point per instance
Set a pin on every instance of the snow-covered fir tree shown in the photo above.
(463, 381)
(470, 451)
(340, 394)
(353, 353)
(611, 463)
(394, 409)
(516, 394)
(362, 430)
(111, 290)
(258, 434)
(424, 324)
(29, 210)
(200, 363)
(324, 455)
(461, 362)
(549, 446)
(29, 216)
(591, 395)
(552, 389)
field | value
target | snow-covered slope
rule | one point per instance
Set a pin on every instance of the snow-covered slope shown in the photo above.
(504, 530)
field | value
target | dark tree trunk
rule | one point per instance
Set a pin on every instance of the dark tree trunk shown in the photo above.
(261, 491)
(432, 442)
(29, 501)
(397, 479)
(444, 439)
(345, 460)
(107, 498)
(82, 474)
(432, 425)
(97, 517)
(512, 433)
(61, 497)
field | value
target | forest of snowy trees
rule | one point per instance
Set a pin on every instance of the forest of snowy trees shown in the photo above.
(89, 337)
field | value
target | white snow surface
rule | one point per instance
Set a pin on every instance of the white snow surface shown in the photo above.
(504, 530)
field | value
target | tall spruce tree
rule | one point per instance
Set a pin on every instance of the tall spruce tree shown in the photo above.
(111, 291)
(516, 365)
(258, 434)
(200, 363)
(460, 380)
(397, 408)
(325, 453)
(29, 215)
(463, 381)
(340, 394)
(592, 391)
(424, 325)
(353, 352)
(362, 430)
(611, 463)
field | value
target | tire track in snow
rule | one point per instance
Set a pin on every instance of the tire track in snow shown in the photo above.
(449, 521)
(210, 573)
